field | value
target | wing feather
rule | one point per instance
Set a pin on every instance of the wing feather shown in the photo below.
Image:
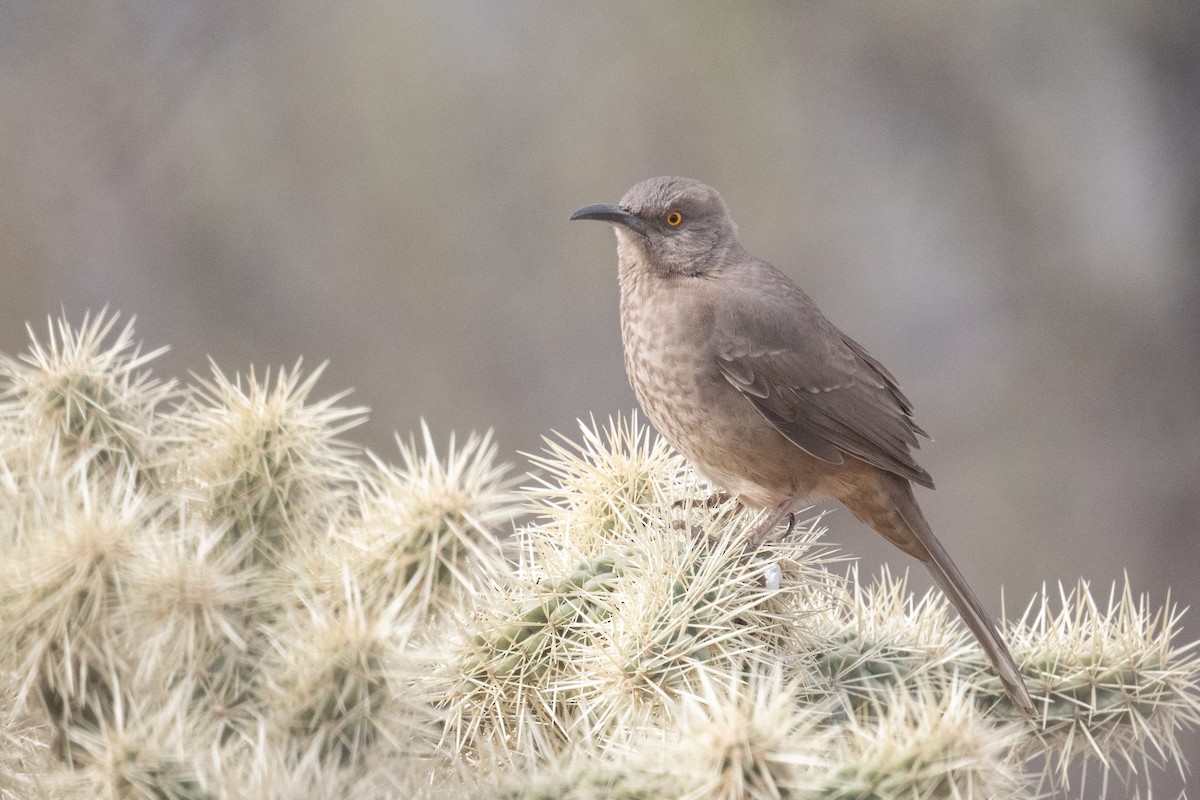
(815, 385)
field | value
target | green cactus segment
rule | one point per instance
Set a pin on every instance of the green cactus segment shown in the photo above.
(524, 673)
(87, 413)
(928, 744)
(64, 604)
(157, 778)
(345, 702)
(559, 612)
(225, 689)
(1106, 696)
(1101, 694)
(861, 669)
(593, 783)
(74, 397)
(425, 532)
(684, 632)
(614, 480)
(255, 502)
(414, 555)
(268, 464)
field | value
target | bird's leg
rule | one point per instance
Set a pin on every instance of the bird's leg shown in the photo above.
(695, 531)
(781, 512)
(772, 575)
(717, 498)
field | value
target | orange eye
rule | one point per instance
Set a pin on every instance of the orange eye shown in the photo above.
(674, 218)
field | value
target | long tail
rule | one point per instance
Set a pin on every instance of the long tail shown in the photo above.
(918, 540)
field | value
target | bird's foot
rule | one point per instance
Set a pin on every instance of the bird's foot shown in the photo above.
(712, 501)
(719, 498)
(772, 574)
(766, 531)
(695, 531)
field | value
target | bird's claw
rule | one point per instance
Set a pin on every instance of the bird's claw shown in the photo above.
(766, 533)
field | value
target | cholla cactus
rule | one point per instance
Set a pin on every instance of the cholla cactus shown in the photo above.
(626, 595)
(425, 528)
(340, 682)
(146, 749)
(928, 740)
(821, 688)
(750, 739)
(611, 482)
(166, 601)
(267, 464)
(64, 603)
(1116, 686)
(761, 741)
(24, 752)
(191, 599)
(876, 637)
(77, 396)
(224, 599)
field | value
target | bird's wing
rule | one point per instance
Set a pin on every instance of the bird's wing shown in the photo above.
(814, 384)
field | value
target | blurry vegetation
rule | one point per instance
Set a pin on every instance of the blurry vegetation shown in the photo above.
(206, 592)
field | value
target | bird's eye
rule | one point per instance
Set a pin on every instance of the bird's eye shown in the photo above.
(674, 218)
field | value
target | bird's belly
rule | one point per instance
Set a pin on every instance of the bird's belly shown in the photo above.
(719, 431)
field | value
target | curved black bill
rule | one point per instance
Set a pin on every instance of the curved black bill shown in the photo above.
(607, 212)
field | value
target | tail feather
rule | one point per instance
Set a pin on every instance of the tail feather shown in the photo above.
(948, 578)
(886, 503)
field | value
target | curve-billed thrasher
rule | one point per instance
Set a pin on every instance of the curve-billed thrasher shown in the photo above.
(737, 367)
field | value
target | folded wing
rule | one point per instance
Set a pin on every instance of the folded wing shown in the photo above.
(815, 385)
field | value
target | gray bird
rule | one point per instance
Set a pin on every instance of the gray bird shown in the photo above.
(739, 370)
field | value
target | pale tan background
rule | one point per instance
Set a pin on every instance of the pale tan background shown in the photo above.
(1001, 203)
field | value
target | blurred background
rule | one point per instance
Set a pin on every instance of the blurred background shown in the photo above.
(1001, 202)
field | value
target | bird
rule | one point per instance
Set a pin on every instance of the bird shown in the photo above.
(739, 370)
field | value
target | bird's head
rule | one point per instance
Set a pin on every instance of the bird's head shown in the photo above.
(670, 225)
